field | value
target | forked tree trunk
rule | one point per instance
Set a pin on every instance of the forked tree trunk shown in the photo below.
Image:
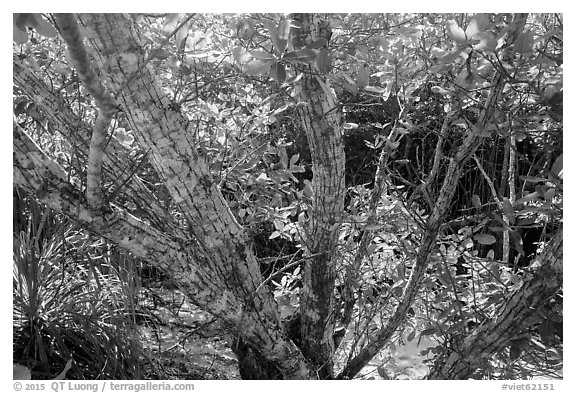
(212, 261)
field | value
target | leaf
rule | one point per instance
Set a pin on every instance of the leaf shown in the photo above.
(441, 90)
(160, 54)
(515, 352)
(382, 372)
(557, 166)
(476, 201)
(320, 43)
(351, 87)
(278, 72)
(294, 159)
(43, 27)
(363, 78)
(278, 43)
(450, 57)
(456, 32)
(478, 24)
(375, 89)
(301, 55)
(428, 332)
(323, 61)
(487, 42)
(67, 367)
(485, 238)
(22, 20)
(350, 126)
(20, 373)
(245, 30)
(284, 29)
(411, 335)
(274, 235)
(257, 67)
(524, 42)
(507, 206)
(171, 22)
(262, 55)
(371, 248)
(533, 179)
(181, 36)
(529, 197)
(240, 54)
(19, 36)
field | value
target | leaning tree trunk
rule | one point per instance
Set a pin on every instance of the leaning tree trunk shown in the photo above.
(512, 318)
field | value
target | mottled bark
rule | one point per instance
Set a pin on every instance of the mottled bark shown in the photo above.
(118, 167)
(106, 104)
(322, 123)
(540, 284)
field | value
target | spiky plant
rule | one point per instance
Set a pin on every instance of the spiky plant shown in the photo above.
(72, 300)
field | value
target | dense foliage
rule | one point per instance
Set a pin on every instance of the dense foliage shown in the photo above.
(415, 94)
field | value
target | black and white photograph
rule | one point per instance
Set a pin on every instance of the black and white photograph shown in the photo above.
(207, 196)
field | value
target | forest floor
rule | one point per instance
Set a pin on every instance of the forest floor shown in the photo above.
(184, 342)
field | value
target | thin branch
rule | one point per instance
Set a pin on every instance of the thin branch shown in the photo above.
(105, 102)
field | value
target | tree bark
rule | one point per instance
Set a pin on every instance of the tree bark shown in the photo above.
(323, 126)
(470, 354)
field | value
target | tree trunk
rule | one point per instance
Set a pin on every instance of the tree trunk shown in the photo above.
(322, 123)
(469, 354)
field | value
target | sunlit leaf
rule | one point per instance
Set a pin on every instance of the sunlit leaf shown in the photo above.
(375, 89)
(257, 67)
(440, 90)
(284, 29)
(478, 24)
(350, 126)
(170, 22)
(241, 55)
(262, 55)
(456, 32)
(486, 42)
(181, 36)
(557, 166)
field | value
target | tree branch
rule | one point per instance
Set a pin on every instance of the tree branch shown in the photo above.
(106, 104)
